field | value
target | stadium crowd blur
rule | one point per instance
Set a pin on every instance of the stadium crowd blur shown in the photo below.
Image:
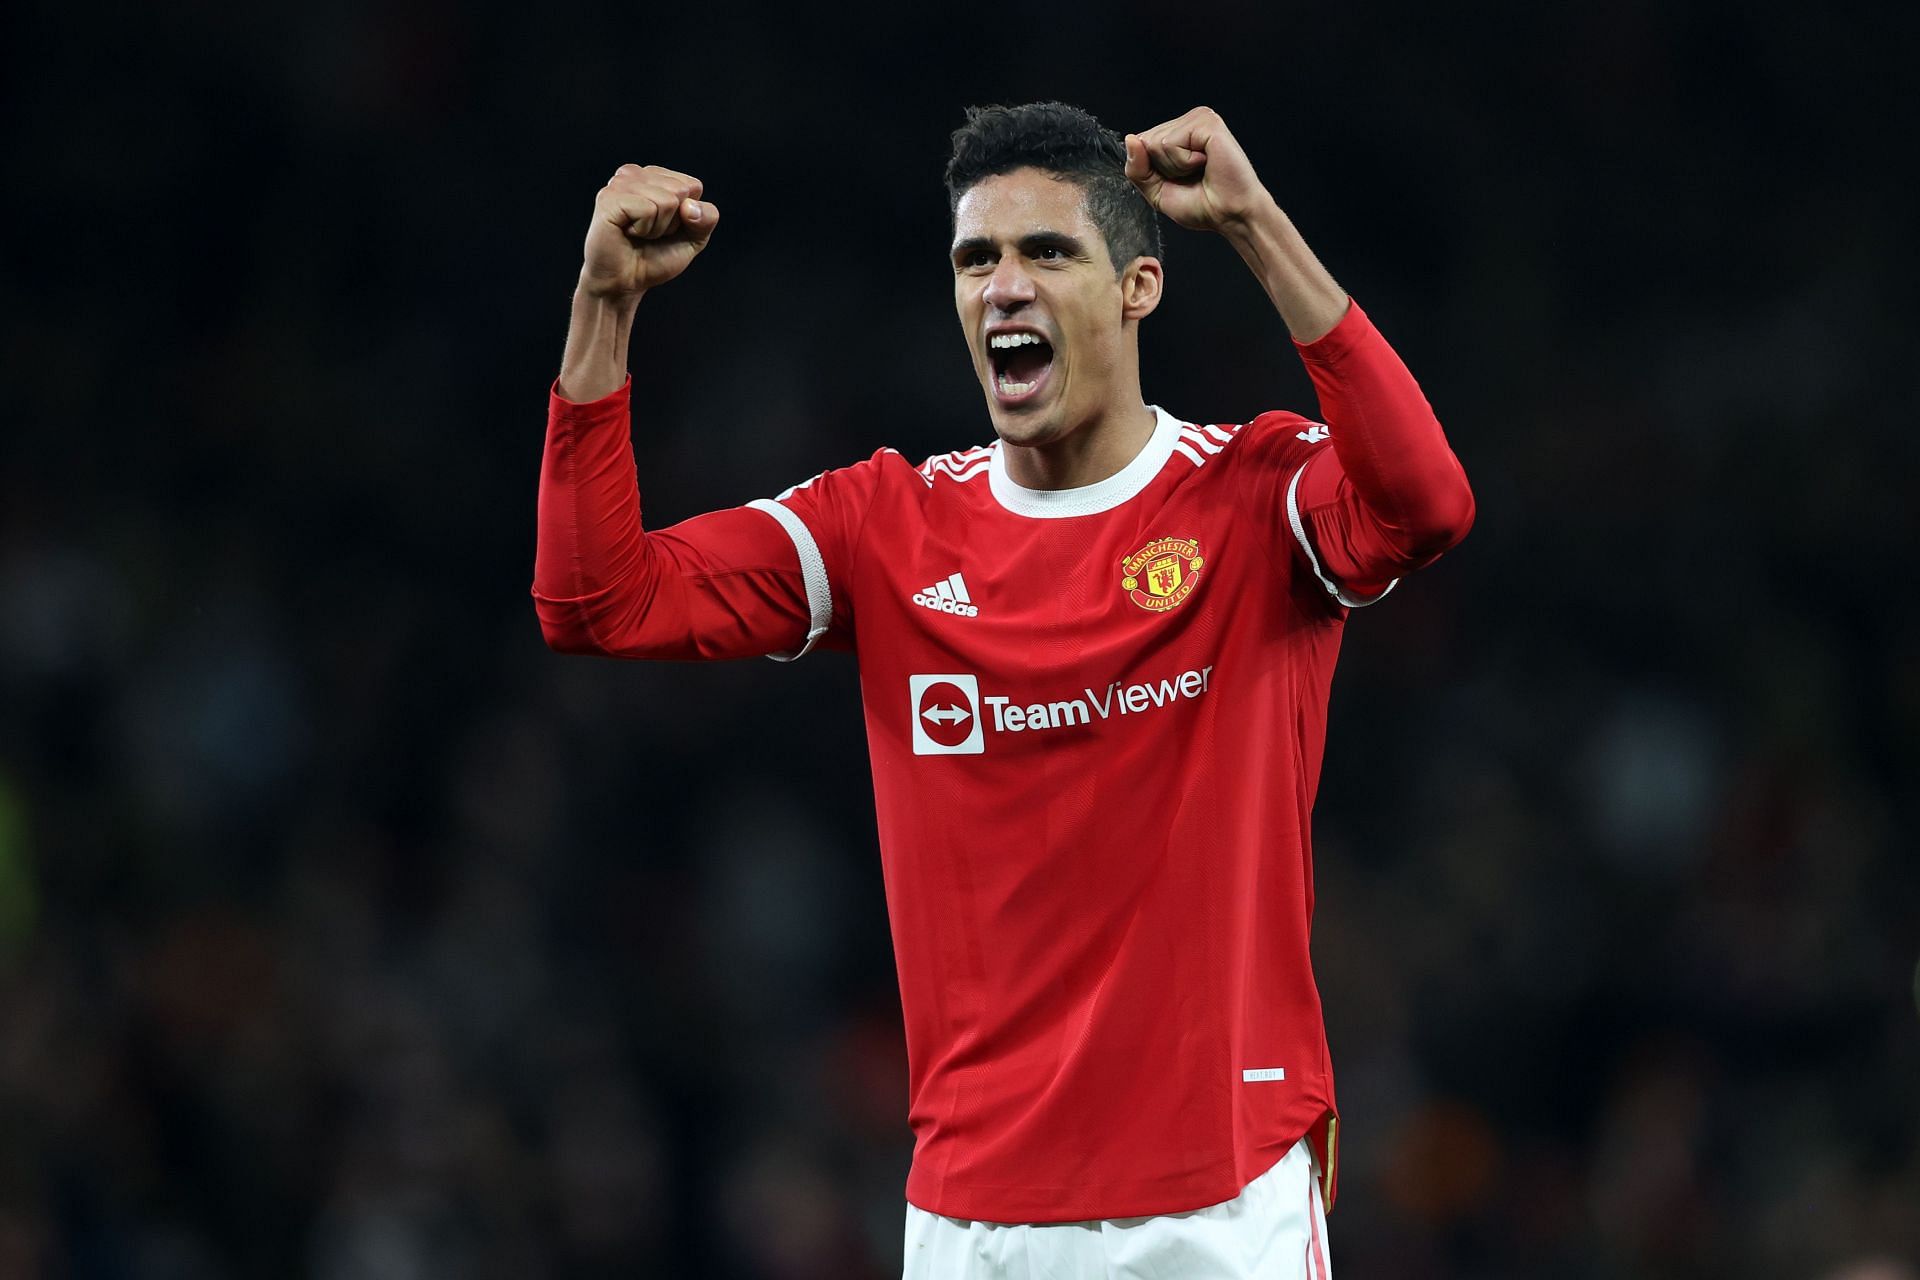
(347, 932)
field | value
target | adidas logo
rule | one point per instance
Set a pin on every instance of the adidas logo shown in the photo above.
(949, 595)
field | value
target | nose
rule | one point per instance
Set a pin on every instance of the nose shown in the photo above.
(1010, 287)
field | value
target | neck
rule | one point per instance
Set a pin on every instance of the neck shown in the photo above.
(1088, 454)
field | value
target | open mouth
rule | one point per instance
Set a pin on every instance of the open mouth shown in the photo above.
(1021, 363)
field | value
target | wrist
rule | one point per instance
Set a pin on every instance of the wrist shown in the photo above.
(595, 362)
(603, 296)
(1309, 299)
(1260, 220)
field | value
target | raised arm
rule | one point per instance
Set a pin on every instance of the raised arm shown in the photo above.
(723, 585)
(648, 224)
(1392, 496)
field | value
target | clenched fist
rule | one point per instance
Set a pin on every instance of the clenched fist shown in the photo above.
(1192, 170)
(648, 224)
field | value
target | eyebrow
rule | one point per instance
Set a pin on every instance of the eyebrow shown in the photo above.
(1028, 244)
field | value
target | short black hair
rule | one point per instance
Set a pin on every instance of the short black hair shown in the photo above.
(1070, 144)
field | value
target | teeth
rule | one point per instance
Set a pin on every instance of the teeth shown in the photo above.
(1014, 388)
(1005, 341)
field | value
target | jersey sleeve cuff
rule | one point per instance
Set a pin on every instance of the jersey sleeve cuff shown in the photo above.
(1354, 328)
(616, 401)
(813, 572)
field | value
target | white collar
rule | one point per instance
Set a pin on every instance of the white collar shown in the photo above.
(1089, 499)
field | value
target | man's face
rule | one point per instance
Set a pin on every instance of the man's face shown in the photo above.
(1042, 309)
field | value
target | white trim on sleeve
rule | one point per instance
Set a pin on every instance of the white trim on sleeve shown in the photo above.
(1313, 561)
(813, 572)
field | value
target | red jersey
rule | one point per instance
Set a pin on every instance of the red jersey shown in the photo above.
(1095, 718)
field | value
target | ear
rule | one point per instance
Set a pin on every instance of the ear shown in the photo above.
(1140, 287)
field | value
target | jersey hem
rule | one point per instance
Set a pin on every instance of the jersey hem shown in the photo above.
(1140, 1198)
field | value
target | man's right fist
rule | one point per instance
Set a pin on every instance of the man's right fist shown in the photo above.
(648, 224)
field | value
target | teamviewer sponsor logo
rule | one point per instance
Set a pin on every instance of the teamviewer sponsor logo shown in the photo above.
(946, 715)
(946, 709)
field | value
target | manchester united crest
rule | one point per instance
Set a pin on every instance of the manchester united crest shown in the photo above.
(1161, 574)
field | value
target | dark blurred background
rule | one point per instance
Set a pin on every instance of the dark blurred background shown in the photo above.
(347, 932)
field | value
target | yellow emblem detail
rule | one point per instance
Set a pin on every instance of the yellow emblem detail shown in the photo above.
(1161, 574)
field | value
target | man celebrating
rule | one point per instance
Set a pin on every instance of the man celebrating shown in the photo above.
(1094, 657)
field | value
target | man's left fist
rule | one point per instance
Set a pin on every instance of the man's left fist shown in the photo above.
(1193, 171)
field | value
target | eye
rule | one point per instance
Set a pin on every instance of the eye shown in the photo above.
(974, 259)
(1048, 253)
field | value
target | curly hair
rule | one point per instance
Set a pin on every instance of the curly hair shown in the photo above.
(1069, 144)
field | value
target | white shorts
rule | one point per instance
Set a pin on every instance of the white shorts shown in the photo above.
(1275, 1229)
